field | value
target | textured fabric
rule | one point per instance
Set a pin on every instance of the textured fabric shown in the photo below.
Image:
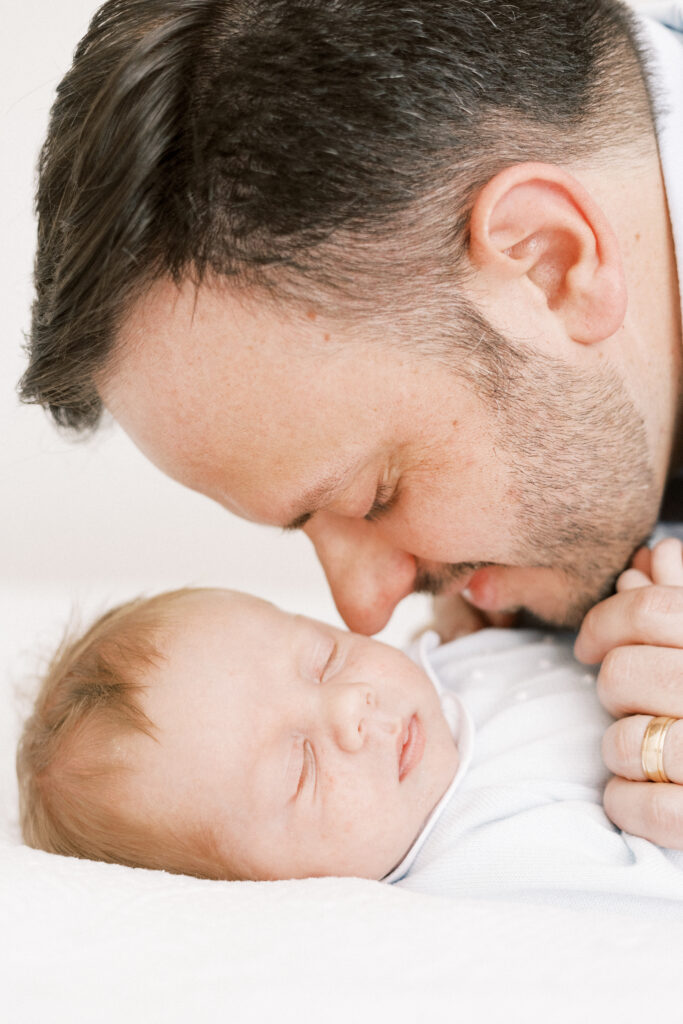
(526, 820)
(668, 14)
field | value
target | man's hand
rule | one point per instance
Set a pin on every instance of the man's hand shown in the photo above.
(638, 636)
(454, 616)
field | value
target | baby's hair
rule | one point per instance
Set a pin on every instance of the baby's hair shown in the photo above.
(74, 753)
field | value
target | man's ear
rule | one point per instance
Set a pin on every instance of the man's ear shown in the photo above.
(536, 223)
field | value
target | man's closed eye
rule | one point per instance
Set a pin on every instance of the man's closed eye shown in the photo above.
(385, 499)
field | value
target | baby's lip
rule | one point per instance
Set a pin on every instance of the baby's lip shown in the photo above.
(411, 745)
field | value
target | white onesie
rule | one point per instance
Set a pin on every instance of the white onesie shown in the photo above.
(523, 818)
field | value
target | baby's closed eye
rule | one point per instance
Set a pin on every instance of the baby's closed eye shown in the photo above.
(308, 766)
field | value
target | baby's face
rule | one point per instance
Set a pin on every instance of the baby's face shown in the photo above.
(307, 750)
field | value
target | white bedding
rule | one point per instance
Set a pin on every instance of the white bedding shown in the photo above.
(95, 942)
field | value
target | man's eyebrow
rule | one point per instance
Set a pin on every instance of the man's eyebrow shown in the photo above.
(317, 496)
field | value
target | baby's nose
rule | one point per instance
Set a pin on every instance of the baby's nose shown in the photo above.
(355, 717)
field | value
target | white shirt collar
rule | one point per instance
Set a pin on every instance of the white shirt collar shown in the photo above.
(461, 727)
(663, 38)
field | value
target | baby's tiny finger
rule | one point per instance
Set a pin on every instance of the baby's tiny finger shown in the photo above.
(632, 579)
(667, 563)
(642, 560)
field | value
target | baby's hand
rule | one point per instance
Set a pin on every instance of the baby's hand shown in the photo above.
(455, 617)
(661, 565)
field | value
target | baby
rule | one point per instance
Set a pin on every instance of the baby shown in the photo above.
(208, 732)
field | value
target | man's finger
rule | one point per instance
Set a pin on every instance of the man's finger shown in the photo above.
(642, 680)
(631, 579)
(667, 564)
(653, 810)
(623, 742)
(647, 615)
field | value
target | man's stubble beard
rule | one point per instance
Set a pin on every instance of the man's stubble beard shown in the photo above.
(584, 489)
(588, 496)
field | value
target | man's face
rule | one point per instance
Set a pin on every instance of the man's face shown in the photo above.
(401, 474)
(306, 750)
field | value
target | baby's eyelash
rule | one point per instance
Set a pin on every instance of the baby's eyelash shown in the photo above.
(330, 661)
(385, 499)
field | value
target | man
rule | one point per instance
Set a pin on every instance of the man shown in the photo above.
(402, 275)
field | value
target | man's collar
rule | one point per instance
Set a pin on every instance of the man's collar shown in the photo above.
(662, 34)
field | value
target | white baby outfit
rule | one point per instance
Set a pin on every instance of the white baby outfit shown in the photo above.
(523, 818)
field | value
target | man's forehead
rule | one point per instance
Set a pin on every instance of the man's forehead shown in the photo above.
(187, 335)
(256, 411)
(216, 327)
(192, 354)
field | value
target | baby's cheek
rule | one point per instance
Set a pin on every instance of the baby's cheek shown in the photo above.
(355, 804)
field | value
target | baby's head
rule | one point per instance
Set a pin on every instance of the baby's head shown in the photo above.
(210, 733)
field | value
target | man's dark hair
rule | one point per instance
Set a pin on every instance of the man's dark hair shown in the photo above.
(334, 146)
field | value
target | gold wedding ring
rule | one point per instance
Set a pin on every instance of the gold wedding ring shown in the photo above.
(652, 750)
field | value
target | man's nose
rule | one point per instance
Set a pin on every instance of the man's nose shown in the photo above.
(367, 575)
(353, 717)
